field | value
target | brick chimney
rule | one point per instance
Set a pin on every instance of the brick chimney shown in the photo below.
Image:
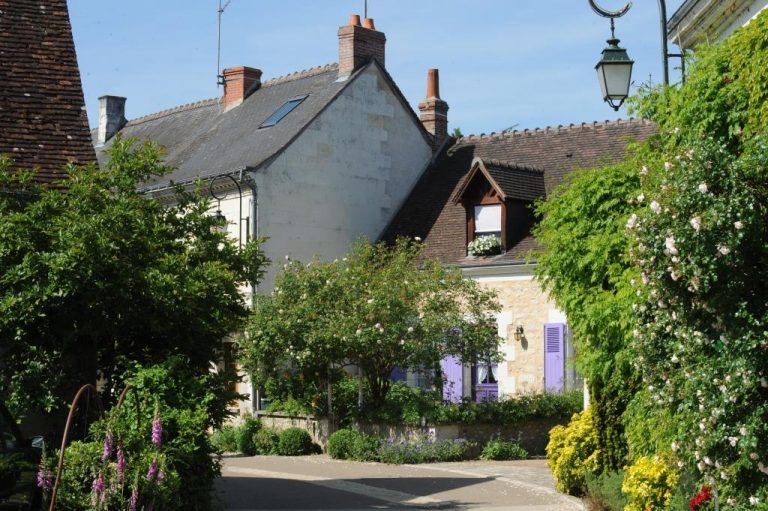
(239, 82)
(359, 44)
(111, 117)
(434, 111)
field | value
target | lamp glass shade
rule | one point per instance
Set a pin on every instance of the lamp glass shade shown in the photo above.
(614, 72)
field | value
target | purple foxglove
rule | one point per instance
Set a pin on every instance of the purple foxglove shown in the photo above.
(109, 442)
(152, 472)
(120, 463)
(133, 503)
(44, 479)
(157, 430)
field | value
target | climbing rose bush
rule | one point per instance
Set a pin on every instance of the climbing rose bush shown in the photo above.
(702, 341)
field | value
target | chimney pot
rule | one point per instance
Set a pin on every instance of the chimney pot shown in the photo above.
(433, 83)
(434, 111)
(358, 45)
(239, 82)
(111, 117)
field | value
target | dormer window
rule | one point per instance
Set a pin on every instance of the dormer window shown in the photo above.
(488, 221)
(497, 198)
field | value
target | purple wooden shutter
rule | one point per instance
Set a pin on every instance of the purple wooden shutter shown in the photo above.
(554, 357)
(453, 372)
(398, 374)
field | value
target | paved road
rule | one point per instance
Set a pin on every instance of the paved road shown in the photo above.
(320, 483)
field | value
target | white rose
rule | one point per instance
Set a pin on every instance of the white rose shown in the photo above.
(738, 225)
(696, 223)
(703, 187)
(655, 207)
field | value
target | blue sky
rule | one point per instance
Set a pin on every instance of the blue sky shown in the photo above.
(502, 62)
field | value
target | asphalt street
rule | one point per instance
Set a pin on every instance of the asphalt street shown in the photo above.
(320, 483)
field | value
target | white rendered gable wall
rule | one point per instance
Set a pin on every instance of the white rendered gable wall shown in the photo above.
(344, 177)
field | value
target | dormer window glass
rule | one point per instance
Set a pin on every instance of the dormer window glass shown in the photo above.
(488, 221)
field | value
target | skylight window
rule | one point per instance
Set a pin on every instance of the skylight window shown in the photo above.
(281, 112)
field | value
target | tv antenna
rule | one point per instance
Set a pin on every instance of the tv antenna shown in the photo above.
(366, 8)
(219, 76)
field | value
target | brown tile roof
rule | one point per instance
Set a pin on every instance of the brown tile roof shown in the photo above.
(43, 123)
(431, 214)
(521, 182)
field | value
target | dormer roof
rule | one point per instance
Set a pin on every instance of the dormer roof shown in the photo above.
(511, 181)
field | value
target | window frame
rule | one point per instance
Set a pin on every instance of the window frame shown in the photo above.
(274, 118)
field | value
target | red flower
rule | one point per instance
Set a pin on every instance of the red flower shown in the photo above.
(704, 495)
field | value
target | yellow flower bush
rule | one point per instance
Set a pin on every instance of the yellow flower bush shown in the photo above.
(648, 484)
(572, 452)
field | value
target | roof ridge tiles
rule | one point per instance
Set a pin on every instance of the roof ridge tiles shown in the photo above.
(551, 129)
(304, 73)
(512, 166)
(168, 111)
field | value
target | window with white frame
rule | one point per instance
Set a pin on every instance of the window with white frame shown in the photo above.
(488, 221)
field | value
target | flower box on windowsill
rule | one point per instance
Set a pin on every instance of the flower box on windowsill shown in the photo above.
(484, 246)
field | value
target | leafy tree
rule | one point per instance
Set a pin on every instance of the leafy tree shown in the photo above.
(378, 308)
(95, 276)
(702, 342)
(585, 266)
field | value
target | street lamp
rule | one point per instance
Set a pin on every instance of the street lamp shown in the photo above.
(219, 216)
(614, 70)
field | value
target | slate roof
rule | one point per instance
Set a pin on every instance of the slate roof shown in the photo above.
(43, 123)
(432, 213)
(202, 140)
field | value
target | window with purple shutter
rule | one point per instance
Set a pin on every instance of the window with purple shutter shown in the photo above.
(554, 357)
(453, 373)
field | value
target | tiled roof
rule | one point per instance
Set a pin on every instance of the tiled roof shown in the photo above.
(430, 213)
(202, 140)
(43, 123)
(521, 182)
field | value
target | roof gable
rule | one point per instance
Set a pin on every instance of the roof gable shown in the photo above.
(511, 181)
(42, 115)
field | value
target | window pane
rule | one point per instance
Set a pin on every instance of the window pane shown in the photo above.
(488, 218)
(282, 112)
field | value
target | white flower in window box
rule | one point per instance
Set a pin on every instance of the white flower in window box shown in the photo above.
(484, 245)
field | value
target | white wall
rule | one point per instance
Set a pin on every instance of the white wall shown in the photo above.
(344, 177)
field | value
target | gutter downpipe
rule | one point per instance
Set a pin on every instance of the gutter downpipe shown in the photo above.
(252, 234)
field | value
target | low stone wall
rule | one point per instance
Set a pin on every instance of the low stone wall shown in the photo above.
(319, 428)
(532, 435)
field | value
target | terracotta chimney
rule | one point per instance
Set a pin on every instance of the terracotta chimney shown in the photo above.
(434, 111)
(239, 82)
(111, 117)
(359, 44)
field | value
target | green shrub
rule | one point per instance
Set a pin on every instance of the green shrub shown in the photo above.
(224, 439)
(265, 441)
(604, 492)
(294, 442)
(516, 409)
(244, 434)
(498, 449)
(184, 406)
(572, 453)
(648, 484)
(341, 444)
